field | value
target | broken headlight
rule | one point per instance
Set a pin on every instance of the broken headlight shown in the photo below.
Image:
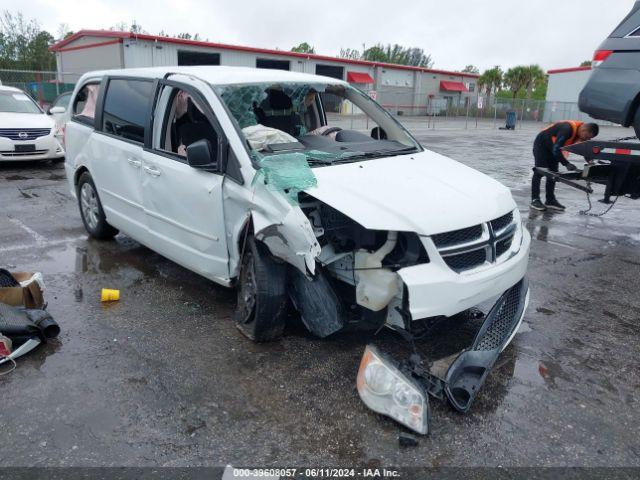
(386, 390)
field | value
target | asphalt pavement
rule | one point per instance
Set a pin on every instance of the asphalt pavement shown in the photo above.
(163, 378)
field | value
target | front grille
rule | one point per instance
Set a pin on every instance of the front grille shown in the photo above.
(471, 247)
(502, 222)
(13, 154)
(503, 245)
(456, 237)
(503, 323)
(467, 260)
(24, 133)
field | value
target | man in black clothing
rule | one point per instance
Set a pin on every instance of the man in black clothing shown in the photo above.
(548, 154)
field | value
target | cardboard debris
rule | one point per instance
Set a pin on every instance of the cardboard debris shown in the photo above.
(29, 294)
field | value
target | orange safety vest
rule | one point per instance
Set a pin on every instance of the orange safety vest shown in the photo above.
(575, 125)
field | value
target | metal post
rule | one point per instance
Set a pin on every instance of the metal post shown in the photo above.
(495, 113)
(351, 115)
(466, 118)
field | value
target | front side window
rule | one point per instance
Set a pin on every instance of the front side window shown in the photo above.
(17, 102)
(126, 107)
(185, 124)
(328, 123)
(84, 105)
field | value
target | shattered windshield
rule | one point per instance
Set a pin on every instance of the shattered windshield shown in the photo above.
(320, 123)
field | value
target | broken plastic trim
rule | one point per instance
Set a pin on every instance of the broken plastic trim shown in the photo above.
(469, 370)
(467, 373)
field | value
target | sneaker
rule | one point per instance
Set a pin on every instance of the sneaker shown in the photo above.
(554, 205)
(536, 204)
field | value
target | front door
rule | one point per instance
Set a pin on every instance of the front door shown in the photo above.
(183, 205)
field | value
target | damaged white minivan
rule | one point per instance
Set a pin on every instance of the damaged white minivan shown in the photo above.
(300, 189)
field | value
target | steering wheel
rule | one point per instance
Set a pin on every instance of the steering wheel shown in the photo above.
(331, 130)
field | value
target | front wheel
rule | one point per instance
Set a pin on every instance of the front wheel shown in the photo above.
(262, 299)
(93, 217)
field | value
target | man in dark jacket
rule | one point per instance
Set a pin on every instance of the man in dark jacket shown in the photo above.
(548, 154)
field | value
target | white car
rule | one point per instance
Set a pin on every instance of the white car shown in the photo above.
(245, 177)
(26, 132)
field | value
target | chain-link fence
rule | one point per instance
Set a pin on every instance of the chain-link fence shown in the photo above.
(42, 86)
(477, 111)
(455, 110)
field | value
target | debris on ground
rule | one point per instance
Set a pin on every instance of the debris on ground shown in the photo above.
(24, 322)
(407, 440)
(109, 295)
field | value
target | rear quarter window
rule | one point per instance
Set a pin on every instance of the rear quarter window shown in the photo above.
(125, 108)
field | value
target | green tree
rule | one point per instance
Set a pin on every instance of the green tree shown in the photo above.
(491, 80)
(471, 69)
(350, 53)
(516, 79)
(23, 44)
(304, 47)
(398, 55)
(535, 77)
(586, 63)
(188, 36)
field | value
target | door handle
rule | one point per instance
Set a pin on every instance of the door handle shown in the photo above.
(134, 163)
(152, 171)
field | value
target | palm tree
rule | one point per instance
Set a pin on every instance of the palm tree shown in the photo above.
(516, 79)
(491, 80)
(535, 76)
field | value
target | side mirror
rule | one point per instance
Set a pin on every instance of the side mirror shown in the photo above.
(56, 110)
(201, 155)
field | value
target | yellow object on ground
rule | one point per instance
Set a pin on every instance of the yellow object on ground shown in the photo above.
(109, 295)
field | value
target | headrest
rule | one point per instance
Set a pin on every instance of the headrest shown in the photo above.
(278, 100)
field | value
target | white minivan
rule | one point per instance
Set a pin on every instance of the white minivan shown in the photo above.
(301, 188)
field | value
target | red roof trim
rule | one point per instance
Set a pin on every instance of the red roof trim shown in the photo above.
(453, 86)
(90, 45)
(359, 77)
(570, 69)
(115, 34)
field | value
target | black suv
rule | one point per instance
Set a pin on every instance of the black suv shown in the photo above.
(613, 90)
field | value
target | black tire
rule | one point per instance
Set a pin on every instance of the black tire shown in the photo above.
(92, 214)
(262, 297)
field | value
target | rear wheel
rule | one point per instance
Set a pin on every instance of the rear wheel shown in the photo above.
(262, 299)
(91, 211)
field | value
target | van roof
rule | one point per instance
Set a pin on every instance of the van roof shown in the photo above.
(218, 75)
(9, 89)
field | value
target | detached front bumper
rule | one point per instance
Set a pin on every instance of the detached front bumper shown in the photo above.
(461, 379)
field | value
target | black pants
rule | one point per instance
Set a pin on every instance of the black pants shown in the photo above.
(543, 158)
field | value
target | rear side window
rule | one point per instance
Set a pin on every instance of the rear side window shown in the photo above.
(125, 108)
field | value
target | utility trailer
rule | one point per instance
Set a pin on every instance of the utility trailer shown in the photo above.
(612, 163)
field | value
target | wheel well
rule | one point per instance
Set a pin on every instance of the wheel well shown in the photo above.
(632, 111)
(76, 176)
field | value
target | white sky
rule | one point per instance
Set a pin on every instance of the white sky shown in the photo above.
(552, 33)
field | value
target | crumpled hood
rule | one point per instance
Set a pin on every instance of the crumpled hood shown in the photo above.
(25, 120)
(426, 193)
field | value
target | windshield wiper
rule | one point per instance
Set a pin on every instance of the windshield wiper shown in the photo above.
(374, 154)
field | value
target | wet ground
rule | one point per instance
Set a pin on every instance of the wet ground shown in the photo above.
(163, 377)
